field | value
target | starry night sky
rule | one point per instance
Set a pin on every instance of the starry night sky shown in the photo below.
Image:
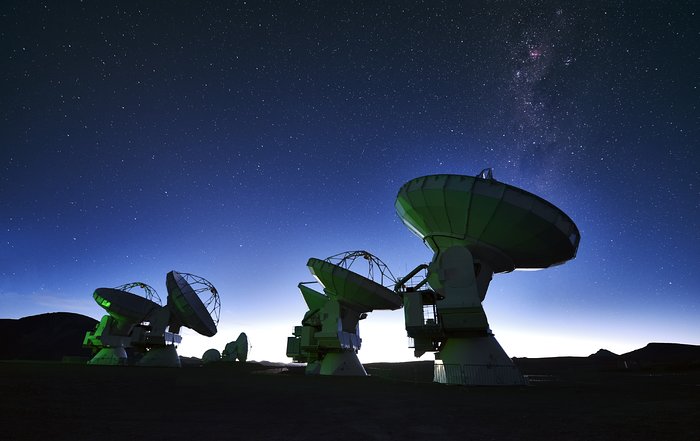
(234, 140)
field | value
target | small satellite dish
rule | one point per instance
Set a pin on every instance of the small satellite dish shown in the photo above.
(476, 226)
(186, 306)
(210, 356)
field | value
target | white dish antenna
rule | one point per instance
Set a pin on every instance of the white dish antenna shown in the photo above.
(123, 306)
(243, 347)
(210, 356)
(237, 349)
(187, 308)
(476, 227)
(363, 294)
(142, 324)
(114, 333)
(329, 338)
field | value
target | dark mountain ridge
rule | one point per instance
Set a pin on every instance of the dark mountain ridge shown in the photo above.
(664, 353)
(53, 336)
(50, 336)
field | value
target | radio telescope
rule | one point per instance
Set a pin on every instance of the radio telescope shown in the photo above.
(125, 311)
(329, 337)
(210, 356)
(187, 309)
(237, 349)
(146, 326)
(476, 226)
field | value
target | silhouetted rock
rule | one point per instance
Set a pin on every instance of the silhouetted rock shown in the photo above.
(49, 336)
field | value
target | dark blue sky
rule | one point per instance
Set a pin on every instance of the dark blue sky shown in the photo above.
(235, 142)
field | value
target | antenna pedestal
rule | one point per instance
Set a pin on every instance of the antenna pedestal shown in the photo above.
(313, 368)
(342, 363)
(475, 361)
(164, 356)
(452, 321)
(110, 357)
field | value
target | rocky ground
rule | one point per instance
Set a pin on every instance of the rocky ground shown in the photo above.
(60, 401)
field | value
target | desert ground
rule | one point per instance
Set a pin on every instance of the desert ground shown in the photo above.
(60, 401)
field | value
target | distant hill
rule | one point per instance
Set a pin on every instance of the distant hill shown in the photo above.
(603, 353)
(56, 335)
(664, 353)
(654, 356)
(45, 336)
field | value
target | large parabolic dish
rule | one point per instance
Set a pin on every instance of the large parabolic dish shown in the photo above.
(476, 226)
(124, 306)
(504, 225)
(358, 292)
(186, 305)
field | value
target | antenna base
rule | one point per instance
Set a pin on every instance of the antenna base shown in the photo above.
(164, 356)
(342, 363)
(115, 356)
(475, 361)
